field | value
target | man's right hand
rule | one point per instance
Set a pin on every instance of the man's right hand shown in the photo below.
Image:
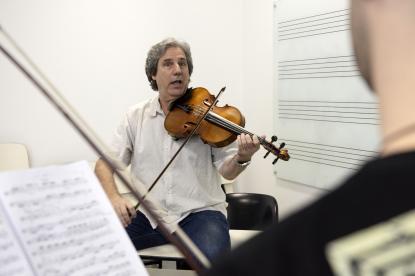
(124, 209)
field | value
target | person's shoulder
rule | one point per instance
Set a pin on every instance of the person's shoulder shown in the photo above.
(402, 161)
(142, 106)
(380, 172)
(340, 206)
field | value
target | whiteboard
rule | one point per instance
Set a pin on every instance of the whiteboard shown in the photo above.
(324, 111)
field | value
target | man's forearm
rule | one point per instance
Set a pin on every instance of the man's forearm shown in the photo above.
(124, 209)
(247, 146)
(106, 176)
(231, 168)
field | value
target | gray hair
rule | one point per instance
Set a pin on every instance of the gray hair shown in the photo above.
(158, 50)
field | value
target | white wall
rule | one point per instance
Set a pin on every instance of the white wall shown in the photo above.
(94, 52)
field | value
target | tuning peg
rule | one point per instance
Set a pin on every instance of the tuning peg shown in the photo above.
(282, 145)
(266, 154)
(274, 138)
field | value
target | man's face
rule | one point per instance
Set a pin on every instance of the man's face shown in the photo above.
(361, 39)
(172, 75)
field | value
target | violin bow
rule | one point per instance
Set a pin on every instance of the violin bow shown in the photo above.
(190, 135)
(196, 259)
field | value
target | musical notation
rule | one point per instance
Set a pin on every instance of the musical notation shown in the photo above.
(10, 257)
(45, 184)
(66, 223)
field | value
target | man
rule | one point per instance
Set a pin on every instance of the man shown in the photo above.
(189, 191)
(383, 33)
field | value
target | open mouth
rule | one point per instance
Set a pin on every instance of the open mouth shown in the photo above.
(176, 82)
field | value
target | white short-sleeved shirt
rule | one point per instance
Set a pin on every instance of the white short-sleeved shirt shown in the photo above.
(191, 183)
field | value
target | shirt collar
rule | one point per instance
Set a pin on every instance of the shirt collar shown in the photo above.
(155, 107)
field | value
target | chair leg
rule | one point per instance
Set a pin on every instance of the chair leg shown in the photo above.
(182, 264)
(148, 262)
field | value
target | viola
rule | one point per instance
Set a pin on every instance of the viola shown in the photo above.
(220, 126)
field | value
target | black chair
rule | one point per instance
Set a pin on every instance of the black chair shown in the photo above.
(250, 211)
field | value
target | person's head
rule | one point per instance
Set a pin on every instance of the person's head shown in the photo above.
(383, 33)
(360, 39)
(169, 66)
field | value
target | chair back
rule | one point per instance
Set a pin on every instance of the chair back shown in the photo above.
(13, 157)
(250, 211)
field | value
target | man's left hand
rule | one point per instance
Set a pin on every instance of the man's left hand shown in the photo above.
(247, 146)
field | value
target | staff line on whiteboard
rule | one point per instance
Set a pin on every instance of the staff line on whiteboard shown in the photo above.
(302, 18)
(292, 60)
(322, 163)
(323, 67)
(327, 159)
(337, 31)
(327, 145)
(320, 101)
(328, 116)
(345, 18)
(314, 30)
(318, 72)
(314, 25)
(293, 150)
(329, 106)
(321, 150)
(318, 77)
(327, 111)
(330, 121)
(313, 63)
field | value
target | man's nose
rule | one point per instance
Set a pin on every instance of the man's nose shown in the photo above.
(177, 69)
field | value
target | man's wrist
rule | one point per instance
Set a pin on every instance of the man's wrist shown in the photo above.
(242, 159)
(241, 162)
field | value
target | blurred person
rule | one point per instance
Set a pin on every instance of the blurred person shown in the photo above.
(383, 33)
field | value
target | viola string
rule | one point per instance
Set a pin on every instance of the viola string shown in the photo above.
(222, 121)
(238, 129)
(217, 119)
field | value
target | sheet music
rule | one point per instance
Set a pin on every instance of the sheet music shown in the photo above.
(12, 259)
(66, 224)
